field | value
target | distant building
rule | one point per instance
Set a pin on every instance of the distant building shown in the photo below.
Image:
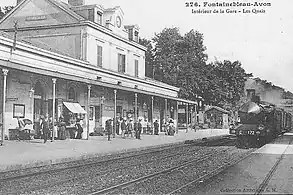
(269, 93)
(217, 117)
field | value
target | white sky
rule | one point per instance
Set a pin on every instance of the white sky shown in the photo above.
(262, 42)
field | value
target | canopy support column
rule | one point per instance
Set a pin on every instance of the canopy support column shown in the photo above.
(115, 113)
(5, 73)
(187, 116)
(53, 114)
(152, 110)
(135, 113)
(87, 111)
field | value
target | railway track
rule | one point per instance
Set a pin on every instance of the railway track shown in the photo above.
(171, 188)
(211, 174)
(120, 187)
(28, 172)
(138, 180)
(261, 189)
(78, 177)
(85, 175)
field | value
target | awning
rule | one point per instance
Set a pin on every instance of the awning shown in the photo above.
(74, 107)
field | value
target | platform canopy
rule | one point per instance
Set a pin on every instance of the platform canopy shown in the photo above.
(74, 107)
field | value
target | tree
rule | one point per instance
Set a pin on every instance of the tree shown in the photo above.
(232, 77)
(167, 55)
(149, 57)
(181, 61)
(192, 76)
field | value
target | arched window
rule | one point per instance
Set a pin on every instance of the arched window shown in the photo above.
(71, 94)
(38, 89)
(39, 105)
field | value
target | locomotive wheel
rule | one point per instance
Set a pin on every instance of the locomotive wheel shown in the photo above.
(239, 142)
(247, 142)
(242, 142)
(262, 141)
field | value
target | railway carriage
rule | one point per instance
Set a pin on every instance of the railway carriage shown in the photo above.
(260, 123)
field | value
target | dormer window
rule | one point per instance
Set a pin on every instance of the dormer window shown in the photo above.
(130, 33)
(136, 36)
(118, 21)
(91, 14)
(99, 18)
(133, 32)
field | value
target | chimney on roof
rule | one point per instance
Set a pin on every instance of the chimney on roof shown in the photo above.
(18, 1)
(75, 2)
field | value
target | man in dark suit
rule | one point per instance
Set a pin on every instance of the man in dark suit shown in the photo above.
(109, 128)
(45, 128)
(139, 129)
(123, 128)
(156, 127)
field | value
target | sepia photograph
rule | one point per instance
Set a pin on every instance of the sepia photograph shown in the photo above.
(146, 97)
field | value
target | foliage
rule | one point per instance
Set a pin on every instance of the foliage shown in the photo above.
(232, 79)
(166, 56)
(181, 61)
(149, 57)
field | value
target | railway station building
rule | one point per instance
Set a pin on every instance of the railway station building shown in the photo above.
(80, 61)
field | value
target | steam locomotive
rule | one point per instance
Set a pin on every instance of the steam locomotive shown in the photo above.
(260, 122)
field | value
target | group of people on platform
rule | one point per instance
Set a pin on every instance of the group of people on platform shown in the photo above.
(74, 130)
(59, 130)
(169, 127)
(125, 127)
(129, 127)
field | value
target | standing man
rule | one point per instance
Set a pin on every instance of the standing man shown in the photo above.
(109, 128)
(139, 128)
(21, 126)
(79, 129)
(117, 125)
(156, 127)
(123, 128)
(130, 128)
(136, 129)
(45, 128)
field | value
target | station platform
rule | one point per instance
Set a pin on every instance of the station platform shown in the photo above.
(16, 155)
(268, 170)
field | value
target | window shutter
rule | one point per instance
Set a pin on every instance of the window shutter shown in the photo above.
(99, 55)
(119, 63)
(136, 67)
(123, 63)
